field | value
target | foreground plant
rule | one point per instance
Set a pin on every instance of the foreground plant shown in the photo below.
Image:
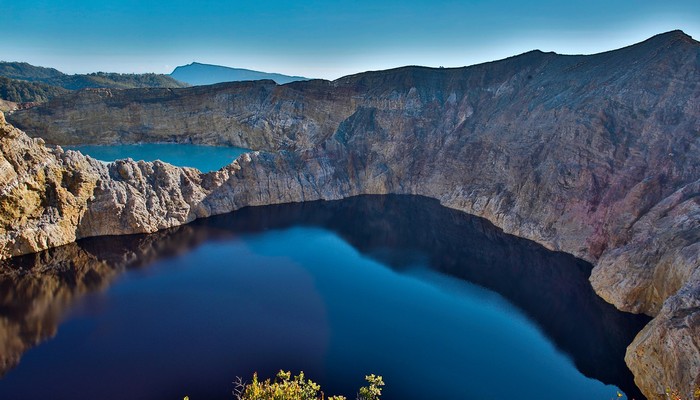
(288, 387)
(675, 394)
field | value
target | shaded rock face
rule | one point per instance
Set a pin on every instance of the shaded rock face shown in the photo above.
(597, 156)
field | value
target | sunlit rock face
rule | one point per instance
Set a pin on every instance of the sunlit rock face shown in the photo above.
(44, 193)
(597, 156)
(50, 197)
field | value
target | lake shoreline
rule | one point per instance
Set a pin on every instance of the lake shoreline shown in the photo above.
(399, 232)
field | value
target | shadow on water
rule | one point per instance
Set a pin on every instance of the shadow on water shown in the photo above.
(398, 231)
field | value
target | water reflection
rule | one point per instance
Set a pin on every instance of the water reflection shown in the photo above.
(399, 231)
(37, 289)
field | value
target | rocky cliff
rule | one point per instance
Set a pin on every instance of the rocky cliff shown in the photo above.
(597, 156)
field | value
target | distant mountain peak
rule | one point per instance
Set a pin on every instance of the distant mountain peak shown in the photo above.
(196, 73)
(675, 36)
(675, 33)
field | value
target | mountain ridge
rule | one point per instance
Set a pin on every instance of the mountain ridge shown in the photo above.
(19, 91)
(30, 73)
(199, 74)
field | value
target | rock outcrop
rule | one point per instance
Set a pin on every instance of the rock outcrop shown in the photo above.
(6, 106)
(597, 156)
(44, 193)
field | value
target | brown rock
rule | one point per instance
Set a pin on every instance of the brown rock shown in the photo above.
(44, 194)
(664, 355)
(660, 257)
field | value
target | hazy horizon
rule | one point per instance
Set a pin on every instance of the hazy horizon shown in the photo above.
(316, 39)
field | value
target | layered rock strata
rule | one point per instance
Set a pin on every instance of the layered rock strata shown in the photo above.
(597, 156)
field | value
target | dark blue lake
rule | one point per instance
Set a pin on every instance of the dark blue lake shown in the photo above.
(204, 158)
(441, 304)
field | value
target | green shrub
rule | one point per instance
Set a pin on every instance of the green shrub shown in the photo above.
(374, 390)
(288, 387)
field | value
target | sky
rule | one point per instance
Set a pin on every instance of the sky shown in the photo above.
(321, 38)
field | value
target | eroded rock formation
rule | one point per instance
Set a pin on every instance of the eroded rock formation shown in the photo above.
(44, 193)
(597, 156)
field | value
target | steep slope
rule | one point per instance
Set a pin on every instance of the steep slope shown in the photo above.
(7, 106)
(207, 74)
(27, 72)
(18, 91)
(598, 156)
(257, 115)
(114, 80)
(43, 193)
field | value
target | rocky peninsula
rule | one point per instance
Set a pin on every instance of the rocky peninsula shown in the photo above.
(597, 156)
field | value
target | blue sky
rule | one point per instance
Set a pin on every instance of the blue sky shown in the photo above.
(325, 39)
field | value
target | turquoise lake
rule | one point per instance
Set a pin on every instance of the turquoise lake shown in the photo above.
(204, 158)
(441, 304)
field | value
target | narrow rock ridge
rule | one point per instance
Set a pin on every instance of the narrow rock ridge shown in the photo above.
(597, 156)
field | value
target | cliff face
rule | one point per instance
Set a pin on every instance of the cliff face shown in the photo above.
(597, 156)
(259, 115)
(44, 193)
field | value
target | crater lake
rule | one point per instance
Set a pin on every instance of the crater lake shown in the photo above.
(440, 303)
